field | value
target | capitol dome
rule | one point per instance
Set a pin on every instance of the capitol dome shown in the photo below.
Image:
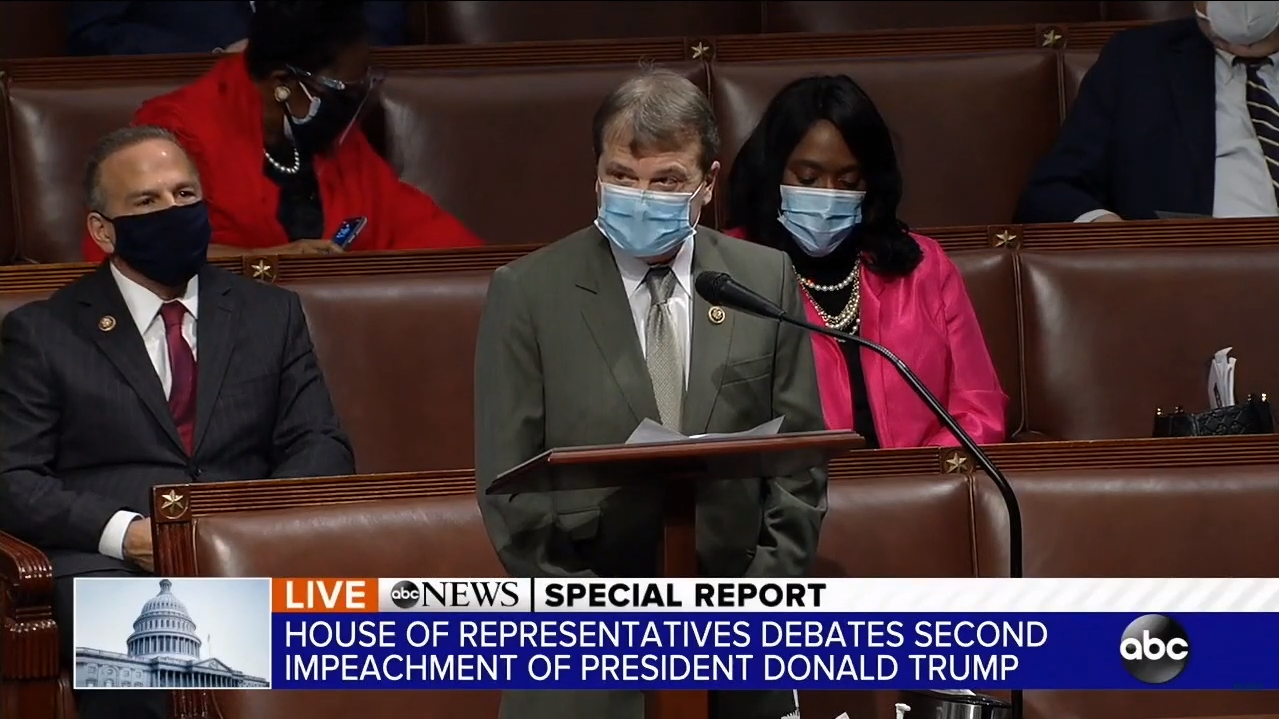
(164, 628)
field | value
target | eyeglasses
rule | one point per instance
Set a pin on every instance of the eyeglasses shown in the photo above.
(371, 80)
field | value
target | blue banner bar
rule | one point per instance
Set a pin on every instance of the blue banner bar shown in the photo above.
(722, 651)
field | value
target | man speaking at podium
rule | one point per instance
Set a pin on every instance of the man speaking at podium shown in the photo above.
(584, 339)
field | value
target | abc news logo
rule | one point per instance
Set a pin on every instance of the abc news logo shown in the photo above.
(1155, 649)
(476, 595)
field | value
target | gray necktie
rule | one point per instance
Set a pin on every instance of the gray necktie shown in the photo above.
(665, 361)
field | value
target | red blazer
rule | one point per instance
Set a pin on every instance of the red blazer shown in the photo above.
(928, 321)
(218, 120)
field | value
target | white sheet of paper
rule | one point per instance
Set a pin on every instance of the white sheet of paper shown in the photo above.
(1230, 381)
(650, 432)
(1221, 389)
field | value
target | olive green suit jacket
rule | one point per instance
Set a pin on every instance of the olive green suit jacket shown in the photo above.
(559, 364)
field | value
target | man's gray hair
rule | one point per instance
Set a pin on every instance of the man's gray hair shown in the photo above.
(660, 110)
(110, 144)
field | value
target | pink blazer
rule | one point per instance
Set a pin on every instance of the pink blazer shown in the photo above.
(926, 319)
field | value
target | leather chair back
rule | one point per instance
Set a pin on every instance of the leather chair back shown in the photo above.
(54, 128)
(1111, 336)
(398, 354)
(508, 151)
(481, 21)
(1192, 521)
(991, 281)
(1001, 110)
(419, 537)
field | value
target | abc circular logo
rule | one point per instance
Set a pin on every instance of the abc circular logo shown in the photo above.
(406, 595)
(1155, 649)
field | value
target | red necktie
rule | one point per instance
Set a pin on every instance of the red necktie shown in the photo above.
(182, 369)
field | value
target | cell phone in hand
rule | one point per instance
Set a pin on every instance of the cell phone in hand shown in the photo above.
(348, 231)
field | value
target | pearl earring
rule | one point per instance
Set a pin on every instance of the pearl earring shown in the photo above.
(281, 93)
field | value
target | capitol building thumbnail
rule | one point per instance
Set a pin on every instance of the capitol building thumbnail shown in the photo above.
(163, 652)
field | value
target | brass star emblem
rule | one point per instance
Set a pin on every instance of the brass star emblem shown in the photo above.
(1051, 37)
(1005, 238)
(262, 270)
(172, 504)
(956, 463)
(700, 50)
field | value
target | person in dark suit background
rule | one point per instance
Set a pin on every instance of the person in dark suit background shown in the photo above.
(102, 396)
(183, 26)
(1179, 116)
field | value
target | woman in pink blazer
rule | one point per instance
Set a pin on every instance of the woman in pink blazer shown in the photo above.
(819, 179)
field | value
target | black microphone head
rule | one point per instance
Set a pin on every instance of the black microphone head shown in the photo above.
(710, 285)
(719, 288)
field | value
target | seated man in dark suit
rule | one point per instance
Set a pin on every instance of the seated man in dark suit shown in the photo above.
(180, 26)
(102, 396)
(1175, 117)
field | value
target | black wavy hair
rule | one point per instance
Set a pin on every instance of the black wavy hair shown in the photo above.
(307, 34)
(754, 199)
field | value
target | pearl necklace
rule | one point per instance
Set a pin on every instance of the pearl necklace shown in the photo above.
(850, 318)
(297, 162)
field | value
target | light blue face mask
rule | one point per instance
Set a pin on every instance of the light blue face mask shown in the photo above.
(645, 223)
(820, 219)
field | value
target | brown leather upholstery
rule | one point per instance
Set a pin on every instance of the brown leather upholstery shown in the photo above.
(1001, 114)
(819, 16)
(446, 131)
(32, 28)
(8, 233)
(1113, 335)
(990, 277)
(398, 353)
(427, 537)
(1146, 10)
(1087, 343)
(53, 130)
(36, 28)
(1191, 522)
(1075, 64)
(880, 517)
(509, 150)
(480, 21)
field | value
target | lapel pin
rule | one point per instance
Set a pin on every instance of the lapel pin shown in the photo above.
(107, 323)
(717, 315)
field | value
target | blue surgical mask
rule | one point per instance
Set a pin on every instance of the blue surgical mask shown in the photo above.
(645, 223)
(820, 219)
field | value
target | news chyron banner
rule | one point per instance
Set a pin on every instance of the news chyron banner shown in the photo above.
(720, 634)
(1088, 634)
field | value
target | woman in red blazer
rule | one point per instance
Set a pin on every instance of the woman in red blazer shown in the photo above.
(282, 160)
(819, 179)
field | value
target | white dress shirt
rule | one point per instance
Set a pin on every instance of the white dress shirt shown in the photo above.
(1241, 184)
(680, 304)
(144, 308)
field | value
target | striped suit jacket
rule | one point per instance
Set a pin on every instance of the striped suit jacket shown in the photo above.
(85, 427)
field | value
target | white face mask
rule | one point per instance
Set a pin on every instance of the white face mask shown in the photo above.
(1242, 23)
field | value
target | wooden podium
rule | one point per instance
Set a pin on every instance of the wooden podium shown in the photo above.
(679, 466)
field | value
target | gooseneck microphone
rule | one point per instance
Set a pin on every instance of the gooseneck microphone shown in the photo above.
(719, 288)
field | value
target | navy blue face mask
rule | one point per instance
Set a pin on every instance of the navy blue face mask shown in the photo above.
(167, 247)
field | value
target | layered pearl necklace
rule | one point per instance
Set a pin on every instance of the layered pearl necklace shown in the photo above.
(850, 318)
